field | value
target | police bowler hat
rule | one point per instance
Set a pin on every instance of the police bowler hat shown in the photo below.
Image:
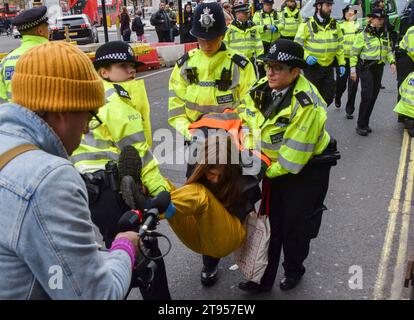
(285, 51)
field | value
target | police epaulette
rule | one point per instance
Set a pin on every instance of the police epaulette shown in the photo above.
(303, 98)
(183, 59)
(241, 61)
(121, 91)
(333, 24)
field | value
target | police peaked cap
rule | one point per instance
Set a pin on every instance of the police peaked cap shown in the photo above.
(208, 21)
(30, 18)
(323, 1)
(285, 51)
(113, 52)
(349, 7)
(377, 13)
(241, 7)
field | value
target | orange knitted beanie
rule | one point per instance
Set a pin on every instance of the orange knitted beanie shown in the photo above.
(57, 77)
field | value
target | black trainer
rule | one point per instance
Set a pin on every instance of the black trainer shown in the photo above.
(337, 103)
(129, 167)
(361, 131)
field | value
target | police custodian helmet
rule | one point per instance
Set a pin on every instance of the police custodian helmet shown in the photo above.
(208, 21)
(285, 51)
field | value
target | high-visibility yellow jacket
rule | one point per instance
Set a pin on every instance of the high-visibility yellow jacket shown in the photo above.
(349, 29)
(194, 90)
(289, 22)
(371, 47)
(406, 104)
(407, 42)
(324, 43)
(246, 42)
(122, 125)
(292, 133)
(262, 19)
(8, 63)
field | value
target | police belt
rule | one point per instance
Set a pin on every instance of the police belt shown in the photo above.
(329, 156)
(369, 63)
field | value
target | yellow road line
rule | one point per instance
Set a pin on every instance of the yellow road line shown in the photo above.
(393, 209)
(397, 285)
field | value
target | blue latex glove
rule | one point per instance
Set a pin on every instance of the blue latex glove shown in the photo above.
(341, 71)
(170, 211)
(273, 28)
(311, 60)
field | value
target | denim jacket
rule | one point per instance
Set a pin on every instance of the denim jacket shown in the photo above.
(47, 240)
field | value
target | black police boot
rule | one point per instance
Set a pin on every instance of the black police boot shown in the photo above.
(409, 125)
(369, 130)
(253, 287)
(288, 283)
(337, 103)
(361, 131)
(129, 167)
(209, 276)
(349, 116)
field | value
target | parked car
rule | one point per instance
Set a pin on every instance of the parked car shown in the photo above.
(80, 28)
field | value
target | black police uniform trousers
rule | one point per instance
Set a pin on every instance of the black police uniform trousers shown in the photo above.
(370, 75)
(323, 79)
(106, 209)
(295, 214)
(341, 83)
(404, 67)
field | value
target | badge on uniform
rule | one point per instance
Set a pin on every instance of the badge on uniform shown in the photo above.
(282, 122)
(8, 71)
(303, 99)
(225, 99)
(277, 138)
(411, 82)
(250, 113)
(121, 91)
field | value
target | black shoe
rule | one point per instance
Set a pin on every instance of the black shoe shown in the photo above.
(209, 277)
(382, 87)
(369, 130)
(349, 116)
(337, 103)
(361, 131)
(250, 286)
(129, 167)
(288, 283)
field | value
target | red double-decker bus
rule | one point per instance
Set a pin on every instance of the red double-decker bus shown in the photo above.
(93, 9)
(10, 14)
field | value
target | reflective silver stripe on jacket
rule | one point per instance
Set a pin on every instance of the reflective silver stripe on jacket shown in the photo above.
(223, 116)
(176, 112)
(271, 146)
(90, 140)
(411, 102)
(95, 156)
(298, 146)
(147, 158)
(290, 166)
(321, 50)
(210, 108)
(131, 139)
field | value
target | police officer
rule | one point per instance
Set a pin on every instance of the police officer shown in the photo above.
(207, 80)
(405, 106)
(267, 19)
(33, 26)
(243, 35)
(322, 40)
(404, 56)
(115, 157)
(291, 116)
(370, 51)
(289, 20)
(349, 28)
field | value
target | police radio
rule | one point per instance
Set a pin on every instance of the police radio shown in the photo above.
(224, 83)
